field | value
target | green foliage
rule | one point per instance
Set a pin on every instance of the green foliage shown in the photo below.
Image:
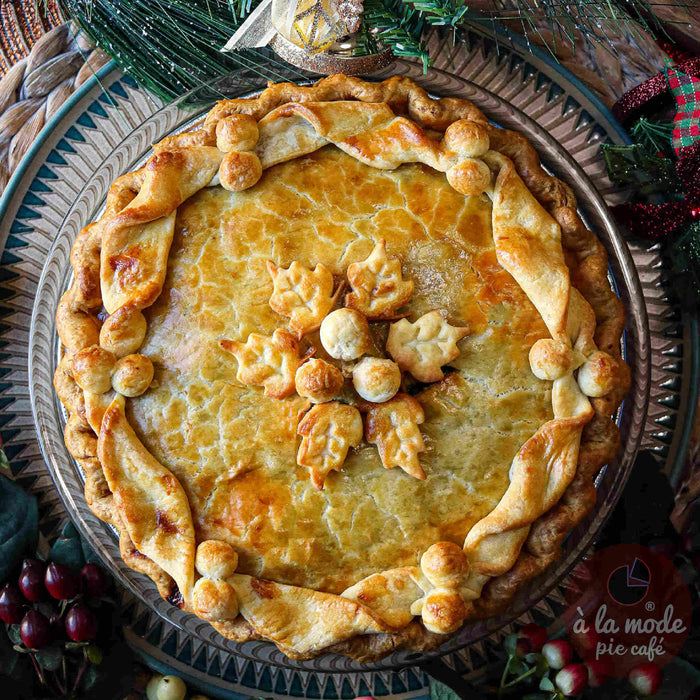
(169, 46)
(19, 524)
(685, 254)
(643, 168)
(172, 46)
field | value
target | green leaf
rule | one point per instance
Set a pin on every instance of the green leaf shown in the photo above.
(518, 667)
(13, 634)
(68, 548)
(4, 462)
(49, 658)
(90, 677)
(546, 684)
(19, 524)
(509, 644)
(19, 649)
(439, 691)
(541, 664)
(94, 654)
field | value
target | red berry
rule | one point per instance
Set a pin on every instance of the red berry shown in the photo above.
(31, 582)
(32, 563)
(572, 679)
(35, 630)
(522, 648)
(12, 605)
(81, 623)
(558, 653)
(61, 582)
(536, 635)
(646, 679)
(599, 670)
(586, 642)
(94, 580)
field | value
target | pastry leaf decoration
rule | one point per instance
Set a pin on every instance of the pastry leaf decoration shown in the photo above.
(304, 296)
(425, 346)
(393, 427)
(328, 431)
(270, 362)
(378, 287)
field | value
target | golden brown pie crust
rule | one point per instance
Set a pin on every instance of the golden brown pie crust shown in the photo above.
(120, 265)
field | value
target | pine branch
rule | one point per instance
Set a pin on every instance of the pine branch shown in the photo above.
(395, 24)
(171, 46)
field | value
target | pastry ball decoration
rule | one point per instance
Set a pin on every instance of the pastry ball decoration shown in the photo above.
(239, 171)
(215, 559)
(123, 332)
(213, 598)
(132, 375)
(444, 564)
(345, 334)
(550, 359)
(318, 381)
(596, 376)
(239, 132)
(214, 601)
(375, 379)
(92, 369)
(444, 611)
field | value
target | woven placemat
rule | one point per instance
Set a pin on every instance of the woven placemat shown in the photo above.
(31, 91)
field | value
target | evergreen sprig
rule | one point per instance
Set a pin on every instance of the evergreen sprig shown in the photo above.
(171, 46)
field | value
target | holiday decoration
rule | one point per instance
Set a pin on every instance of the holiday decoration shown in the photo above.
(664, 162)
(147, 39)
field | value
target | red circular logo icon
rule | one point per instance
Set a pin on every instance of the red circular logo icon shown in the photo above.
(627, 605)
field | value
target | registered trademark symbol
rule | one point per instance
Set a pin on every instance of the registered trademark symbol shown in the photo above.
(649, 606)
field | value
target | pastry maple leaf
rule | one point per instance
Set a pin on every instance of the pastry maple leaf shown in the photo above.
(270, 362)
(328, 431)
(378, 288)
(393, 427)
(425, 346)
(304, 296)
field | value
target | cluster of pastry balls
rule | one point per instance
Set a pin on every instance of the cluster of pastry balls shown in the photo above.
(345, 336)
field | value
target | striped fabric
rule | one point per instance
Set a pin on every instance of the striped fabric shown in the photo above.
(686, 123)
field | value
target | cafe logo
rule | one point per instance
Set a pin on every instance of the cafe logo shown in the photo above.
(627, 605)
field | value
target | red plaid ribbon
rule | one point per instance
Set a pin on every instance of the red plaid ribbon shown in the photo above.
(686, 90)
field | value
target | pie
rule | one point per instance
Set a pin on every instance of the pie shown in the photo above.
(340, 366)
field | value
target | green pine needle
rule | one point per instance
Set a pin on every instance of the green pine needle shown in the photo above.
(172, 46)
(654, 137)
(685, 254)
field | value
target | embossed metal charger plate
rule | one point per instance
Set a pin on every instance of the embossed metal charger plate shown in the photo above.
(108, 130)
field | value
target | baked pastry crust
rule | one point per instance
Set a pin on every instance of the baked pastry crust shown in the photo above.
(121, 263)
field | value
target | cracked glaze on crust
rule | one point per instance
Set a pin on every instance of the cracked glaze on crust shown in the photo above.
(122, 263)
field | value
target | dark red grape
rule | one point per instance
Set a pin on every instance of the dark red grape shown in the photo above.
(12, 605)
(35, 630)
(31, 563)
(61, 582)
(94, 580)
(81, 623)
(31, 583)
